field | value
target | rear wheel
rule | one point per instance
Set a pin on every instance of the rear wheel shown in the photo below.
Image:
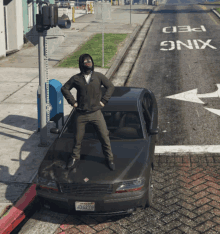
(149, 197)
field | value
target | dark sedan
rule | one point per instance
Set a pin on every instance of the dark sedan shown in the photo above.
(93, 189)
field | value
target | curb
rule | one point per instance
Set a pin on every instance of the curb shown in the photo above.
(11, 219)
(121, 55)
(123, 79)
(208, 4)
(215, 12)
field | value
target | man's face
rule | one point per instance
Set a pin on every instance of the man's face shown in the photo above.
(88, 62)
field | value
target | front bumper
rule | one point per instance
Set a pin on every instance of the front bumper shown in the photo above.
(114, 204)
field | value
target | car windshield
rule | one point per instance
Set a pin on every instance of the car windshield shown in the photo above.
(121, 125)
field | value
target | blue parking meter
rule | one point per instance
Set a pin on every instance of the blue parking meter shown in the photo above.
(56, 102)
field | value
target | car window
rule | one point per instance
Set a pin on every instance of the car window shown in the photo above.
(147, 110)
(123, 124)
(120, 124)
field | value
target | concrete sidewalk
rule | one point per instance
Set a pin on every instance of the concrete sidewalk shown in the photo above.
(19, 78)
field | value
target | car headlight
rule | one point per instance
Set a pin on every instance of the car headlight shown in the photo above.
(47, 184)
(131, 186)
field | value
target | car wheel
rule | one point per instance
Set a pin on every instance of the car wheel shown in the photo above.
(149, 197)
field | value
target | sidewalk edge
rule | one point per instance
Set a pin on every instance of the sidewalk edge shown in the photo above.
(215, 12)
(17, 213)
(121, 55)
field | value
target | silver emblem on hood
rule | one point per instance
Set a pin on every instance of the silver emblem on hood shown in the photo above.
(86, 179)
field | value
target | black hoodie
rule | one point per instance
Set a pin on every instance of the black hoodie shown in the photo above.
(88, 95)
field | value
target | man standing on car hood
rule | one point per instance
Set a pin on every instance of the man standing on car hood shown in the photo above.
(88, 107)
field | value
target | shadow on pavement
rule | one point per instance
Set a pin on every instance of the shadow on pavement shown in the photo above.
(28, 158)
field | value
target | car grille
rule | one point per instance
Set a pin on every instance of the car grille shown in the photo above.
(86, 189)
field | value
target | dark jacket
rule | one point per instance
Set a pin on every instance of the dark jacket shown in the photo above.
(88, 95)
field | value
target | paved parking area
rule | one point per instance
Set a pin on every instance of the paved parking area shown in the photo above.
(186, 200)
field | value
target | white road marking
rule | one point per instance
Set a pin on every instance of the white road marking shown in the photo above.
(206, 44)
(215, 111)
(192, 96)
(188, 96)
(189, 46)
(187, 28)
(187, 149)
(198, 29)
(196, 44)
(164, 43)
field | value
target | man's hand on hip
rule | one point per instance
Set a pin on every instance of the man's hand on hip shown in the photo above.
(102, 103)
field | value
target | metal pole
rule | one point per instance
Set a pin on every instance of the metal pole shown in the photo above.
(43, 126)
(130, 11)
(33, 12)
(102, 35)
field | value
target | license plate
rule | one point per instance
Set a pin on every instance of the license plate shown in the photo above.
(85, 206)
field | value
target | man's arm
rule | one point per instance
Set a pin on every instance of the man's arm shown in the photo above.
(66, 91)
(110, 89)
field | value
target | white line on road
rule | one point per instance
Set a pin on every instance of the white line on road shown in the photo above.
(197, 149)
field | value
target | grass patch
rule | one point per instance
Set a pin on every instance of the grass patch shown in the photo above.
(218, 2)
(94, 48)
(218, 9)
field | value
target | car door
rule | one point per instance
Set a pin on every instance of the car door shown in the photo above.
(147, 106)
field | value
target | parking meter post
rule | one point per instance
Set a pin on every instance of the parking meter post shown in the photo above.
(43, 126)
(46, 19)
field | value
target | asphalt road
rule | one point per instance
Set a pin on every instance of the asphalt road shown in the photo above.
(167, 67)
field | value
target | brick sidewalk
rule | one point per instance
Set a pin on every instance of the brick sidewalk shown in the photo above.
(186, 200)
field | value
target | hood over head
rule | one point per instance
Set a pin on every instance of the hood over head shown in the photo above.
(84, 69)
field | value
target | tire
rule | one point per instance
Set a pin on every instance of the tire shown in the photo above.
(149, 196)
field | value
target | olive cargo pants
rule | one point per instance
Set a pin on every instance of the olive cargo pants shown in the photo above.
(98, 121)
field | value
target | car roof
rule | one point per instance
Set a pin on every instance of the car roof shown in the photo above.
(123, 99)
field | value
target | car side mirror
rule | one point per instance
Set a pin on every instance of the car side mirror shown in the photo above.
(55, 130)
(154, 131)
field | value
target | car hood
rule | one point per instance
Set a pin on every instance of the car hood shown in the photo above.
(129, 158)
